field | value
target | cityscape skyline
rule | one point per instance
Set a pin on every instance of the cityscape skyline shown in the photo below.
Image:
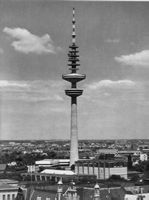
(113, 40)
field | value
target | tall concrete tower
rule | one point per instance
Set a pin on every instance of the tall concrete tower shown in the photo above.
(73, 77)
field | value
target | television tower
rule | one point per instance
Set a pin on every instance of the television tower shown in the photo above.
(73, 77)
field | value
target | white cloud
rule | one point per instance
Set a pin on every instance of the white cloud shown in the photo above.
(109, 40)
(58, 109)
(27, 42)
(6, 83)
(32, 91)
(58, 97)
(111, 84)
(136, 59)
(1, 51)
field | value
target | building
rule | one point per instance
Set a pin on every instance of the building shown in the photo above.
(103, 169)
(137, 193)
(8, 189)
(73, 77)
(70, 192)
(8, 192)
(137, 196)
(129, 152)
(47, 163)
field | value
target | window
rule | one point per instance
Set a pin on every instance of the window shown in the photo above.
(8, 197)
(13, 196)
(4, 197)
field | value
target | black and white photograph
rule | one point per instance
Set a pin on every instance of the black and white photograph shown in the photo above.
(74, 100)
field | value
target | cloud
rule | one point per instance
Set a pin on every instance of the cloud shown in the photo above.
(32, 91)
(111, 84)
(6, 84)
(136, 59)
(109, 40)
(26, 42)
(58, 110)
(1, 51)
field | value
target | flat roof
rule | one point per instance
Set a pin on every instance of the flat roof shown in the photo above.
(51, 161)
(8, 181)
(58, 172)
(5, 186)
(101, 160)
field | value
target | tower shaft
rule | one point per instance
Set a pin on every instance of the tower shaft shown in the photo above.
(74, 155)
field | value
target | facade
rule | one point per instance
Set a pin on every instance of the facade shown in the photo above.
(71, 192)
(49, 176)
(143, 196)
(73, 77)
(102, 169)
(137, 193)
(8, 192)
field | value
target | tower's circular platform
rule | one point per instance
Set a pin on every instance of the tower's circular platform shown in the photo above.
(74, 77)
(73, 92)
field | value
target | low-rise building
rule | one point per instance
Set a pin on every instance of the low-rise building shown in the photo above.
(70, 192)
(136, 193)
(103, 169)
(144, 196)
(8, 192)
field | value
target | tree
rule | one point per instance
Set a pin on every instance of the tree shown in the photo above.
(52, 154)
(129, 164)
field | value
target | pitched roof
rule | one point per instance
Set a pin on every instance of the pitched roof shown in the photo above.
(44, 192)
(85, 193)
(117, 194)
(43, 195)
(88, 194)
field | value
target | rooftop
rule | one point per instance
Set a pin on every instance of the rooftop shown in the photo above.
(58, 172)
(5, 186)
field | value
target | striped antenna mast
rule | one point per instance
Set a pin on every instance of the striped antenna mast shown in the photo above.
(73, 28)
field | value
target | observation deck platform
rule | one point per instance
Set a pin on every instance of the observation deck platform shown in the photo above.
(74, 77)
(73, 92)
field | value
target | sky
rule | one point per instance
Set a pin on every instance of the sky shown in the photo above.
(113, 40)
